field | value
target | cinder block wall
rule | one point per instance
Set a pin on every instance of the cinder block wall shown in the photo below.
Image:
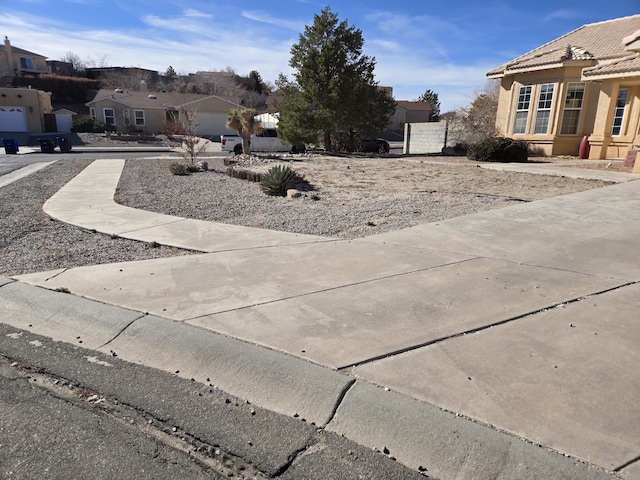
(423, 138)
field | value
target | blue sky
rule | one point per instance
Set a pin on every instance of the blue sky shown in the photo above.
(445, 46)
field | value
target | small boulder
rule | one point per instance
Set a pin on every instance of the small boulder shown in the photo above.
(293, 193)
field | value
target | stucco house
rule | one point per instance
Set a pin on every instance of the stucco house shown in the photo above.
(585, 83)
(16, 61)
(23, 111)
(409, 112)
(147, 112)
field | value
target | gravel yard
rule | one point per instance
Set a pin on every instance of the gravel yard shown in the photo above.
(351, 197)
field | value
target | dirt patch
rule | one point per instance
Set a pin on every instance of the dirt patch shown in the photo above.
(432, 174)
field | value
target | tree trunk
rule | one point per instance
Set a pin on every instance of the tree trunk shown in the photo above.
(327, 141)
(246, 145)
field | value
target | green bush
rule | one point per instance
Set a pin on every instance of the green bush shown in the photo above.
(278, 179)
(89, 125)
(499, 149)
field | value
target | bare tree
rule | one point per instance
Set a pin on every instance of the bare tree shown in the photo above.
(77, 64)
(477, 121)
(192, 144)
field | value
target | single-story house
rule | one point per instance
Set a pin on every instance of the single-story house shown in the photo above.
(409, 112)
(147, 112)
(585, 83)
(23, 110)
(16, 61)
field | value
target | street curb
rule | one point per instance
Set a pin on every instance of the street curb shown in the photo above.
(266, 378)
(417, 434)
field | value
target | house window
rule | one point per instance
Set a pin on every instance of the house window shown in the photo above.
(522, 110)
(618, 113)
(572, 109)
(26, 63)
(139, 116)
(92, 112)
(545, 99)
(127, 117)
(109, 116)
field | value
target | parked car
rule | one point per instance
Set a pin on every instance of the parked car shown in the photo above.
(267, 141)
(373, 144)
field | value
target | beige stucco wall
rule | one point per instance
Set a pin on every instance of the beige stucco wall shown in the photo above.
(603, 144)
(596, 117)
(37, 103)
(10, 64)
(551, 143)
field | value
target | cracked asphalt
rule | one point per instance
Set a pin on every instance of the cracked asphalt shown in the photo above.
(68, 412)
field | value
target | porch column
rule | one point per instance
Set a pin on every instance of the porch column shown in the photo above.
(601, 136)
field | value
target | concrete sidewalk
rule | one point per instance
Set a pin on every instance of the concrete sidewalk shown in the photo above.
(445, 343)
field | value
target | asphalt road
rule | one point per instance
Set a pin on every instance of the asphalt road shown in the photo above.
(68, 412)
(9, 163)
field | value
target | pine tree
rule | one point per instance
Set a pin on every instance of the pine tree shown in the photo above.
(334, 89)
(432, 98)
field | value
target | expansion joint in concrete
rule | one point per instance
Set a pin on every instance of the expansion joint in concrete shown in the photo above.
(411, 348)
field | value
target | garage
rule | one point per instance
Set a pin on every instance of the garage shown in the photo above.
(212, 124)
(13, 119)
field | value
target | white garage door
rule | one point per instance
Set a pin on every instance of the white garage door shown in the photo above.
(212, 124)
(13, 119)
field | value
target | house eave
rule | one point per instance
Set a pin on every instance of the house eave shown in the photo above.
(611, 76)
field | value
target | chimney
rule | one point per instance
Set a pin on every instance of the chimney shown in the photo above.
(143, 86)
(9, 52)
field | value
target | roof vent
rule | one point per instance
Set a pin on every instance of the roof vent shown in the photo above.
(152, 96)
(119, 90)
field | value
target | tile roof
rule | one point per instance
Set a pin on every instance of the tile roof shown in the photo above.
(628, 66)
(598, 43)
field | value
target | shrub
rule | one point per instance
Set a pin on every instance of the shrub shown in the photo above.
(499, 149)
(278, 179)
(89, 125)
(178, 168)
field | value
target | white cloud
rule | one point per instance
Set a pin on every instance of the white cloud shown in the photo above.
(191, 12)
(564, 14)
(262, 17)
(193, 41)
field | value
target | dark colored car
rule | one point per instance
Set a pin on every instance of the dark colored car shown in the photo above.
(372, 144)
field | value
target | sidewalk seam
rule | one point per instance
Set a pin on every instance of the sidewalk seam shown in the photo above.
(481, 328)
(336, 287)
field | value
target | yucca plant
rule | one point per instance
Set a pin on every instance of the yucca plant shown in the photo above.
(278, 179)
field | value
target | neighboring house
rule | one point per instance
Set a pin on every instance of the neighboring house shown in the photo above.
(16, 61)
(585, 83)
(147, 112)
(58, 67)
(23, 110)
(409, 112)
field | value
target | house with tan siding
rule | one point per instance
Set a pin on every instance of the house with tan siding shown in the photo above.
(583, 84)
(15, 61)
(147, 112)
